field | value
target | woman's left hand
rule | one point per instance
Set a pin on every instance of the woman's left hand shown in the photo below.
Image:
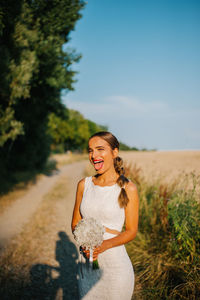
(103, 247)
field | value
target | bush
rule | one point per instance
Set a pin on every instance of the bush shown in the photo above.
(166, 251)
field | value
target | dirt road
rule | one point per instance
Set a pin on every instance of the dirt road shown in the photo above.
(19, 213)
(40, 260)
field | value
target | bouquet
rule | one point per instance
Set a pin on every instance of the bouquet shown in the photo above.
(89, 234)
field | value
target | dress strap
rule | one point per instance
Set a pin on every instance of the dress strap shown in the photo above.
(87, 182)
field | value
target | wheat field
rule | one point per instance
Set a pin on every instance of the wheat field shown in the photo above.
(165, 165)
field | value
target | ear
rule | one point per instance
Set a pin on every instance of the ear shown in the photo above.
(115, 152)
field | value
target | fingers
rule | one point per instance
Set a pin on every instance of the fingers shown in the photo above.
(87, 253)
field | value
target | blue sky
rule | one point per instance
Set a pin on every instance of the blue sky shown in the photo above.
(140, 71)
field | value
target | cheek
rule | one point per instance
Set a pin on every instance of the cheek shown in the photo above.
(109, 159)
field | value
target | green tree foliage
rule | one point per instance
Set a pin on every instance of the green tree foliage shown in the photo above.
(127, 148)
(71, 131)
(34, 70)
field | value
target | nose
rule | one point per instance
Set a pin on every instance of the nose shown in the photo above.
(94, 154)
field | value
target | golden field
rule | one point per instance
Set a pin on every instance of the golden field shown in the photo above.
(165, 165)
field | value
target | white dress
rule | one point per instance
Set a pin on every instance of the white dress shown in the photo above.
(115, 277)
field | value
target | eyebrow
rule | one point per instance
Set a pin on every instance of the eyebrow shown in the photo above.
(96, 147)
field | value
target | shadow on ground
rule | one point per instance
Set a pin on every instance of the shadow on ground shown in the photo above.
(50, 282)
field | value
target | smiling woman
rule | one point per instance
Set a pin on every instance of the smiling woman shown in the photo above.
(98, 163)
(112, 199)
(100, 154)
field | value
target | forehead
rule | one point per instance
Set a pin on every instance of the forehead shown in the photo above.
(96, 141)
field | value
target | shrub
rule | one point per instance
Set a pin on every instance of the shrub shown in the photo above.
(166, 251)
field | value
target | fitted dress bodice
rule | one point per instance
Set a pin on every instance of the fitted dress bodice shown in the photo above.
(101, 203)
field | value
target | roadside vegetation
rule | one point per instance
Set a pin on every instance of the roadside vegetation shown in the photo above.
(166, 251)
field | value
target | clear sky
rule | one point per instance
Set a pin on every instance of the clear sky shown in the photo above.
(140, 71)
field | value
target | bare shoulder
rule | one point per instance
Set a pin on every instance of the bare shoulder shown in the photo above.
(132, 192)
(81, 184)
(131, 187)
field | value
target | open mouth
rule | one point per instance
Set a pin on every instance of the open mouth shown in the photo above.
(98, 164)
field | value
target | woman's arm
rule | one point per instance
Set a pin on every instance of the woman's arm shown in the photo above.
(76, 212)
(131, 222)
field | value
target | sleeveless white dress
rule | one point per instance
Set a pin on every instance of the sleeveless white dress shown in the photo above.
(115, 277)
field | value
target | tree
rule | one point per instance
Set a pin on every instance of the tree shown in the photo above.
(72, 131)
(34, 70)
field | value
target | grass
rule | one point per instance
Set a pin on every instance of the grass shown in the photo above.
(166, 251)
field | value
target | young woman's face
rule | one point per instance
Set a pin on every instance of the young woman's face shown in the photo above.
(100, 154)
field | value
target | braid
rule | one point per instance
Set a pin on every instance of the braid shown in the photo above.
(123, 198)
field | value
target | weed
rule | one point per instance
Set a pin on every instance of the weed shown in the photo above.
(166, 251)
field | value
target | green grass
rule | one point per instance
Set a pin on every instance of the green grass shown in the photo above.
(166, 251)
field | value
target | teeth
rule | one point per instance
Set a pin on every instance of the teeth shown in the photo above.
(96, 162)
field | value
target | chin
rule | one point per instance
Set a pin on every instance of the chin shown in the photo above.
(99, 171)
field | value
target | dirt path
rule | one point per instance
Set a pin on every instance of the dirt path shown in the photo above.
(40, 260)
(19, 213)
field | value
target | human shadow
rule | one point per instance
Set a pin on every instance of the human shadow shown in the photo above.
(55, 282)
(59, 282)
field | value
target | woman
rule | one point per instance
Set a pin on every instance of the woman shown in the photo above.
(112, 199)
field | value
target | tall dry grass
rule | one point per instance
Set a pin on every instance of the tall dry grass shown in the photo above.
(166, 251)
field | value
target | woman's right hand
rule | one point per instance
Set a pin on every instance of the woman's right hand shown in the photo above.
(86, 253)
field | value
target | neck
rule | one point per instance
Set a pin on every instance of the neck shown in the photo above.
(109, 176)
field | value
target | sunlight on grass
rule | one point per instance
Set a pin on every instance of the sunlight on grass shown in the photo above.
(166, 251)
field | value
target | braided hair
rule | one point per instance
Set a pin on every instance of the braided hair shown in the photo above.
(118, 165)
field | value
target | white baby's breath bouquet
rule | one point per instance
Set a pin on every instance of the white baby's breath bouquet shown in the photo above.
(88, 234)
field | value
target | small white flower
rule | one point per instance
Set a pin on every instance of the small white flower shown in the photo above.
(89, 233)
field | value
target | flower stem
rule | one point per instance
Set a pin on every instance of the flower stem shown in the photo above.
(95, 264)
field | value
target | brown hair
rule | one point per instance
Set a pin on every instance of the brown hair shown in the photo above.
(118, 165)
